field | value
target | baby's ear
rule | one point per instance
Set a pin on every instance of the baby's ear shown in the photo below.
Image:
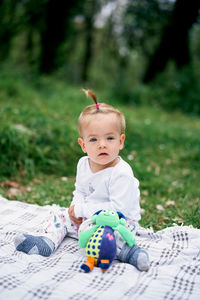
(82, 144)
(122, 139)
(122, 221)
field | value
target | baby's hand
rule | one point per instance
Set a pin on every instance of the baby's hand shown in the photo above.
(73, 217)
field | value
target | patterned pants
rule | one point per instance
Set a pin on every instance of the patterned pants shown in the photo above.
(58, 225)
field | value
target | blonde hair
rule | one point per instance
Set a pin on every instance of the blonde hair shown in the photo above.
(100, 108)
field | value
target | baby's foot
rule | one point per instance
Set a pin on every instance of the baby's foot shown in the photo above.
(135, 256)
(34, 244)
(143, 261)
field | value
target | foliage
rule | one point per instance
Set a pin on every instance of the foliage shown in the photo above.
(178, 90)
(172, 90)
(36, 132)
(14, 151)
(143, 22)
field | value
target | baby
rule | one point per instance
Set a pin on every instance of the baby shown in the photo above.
(103, 180)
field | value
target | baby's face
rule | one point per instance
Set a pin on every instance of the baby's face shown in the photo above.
(102, 140)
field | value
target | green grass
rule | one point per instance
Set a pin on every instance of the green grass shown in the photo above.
(39, 150)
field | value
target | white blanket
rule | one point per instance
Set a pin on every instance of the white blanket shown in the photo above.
(174, 273)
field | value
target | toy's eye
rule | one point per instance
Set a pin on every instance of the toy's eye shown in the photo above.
(103, 211)
(112, 213)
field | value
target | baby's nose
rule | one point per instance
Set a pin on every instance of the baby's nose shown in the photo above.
(102, 143)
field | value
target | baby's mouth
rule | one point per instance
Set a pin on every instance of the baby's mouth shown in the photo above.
(103, 154)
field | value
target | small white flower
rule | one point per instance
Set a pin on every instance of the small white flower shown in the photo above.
(130, 157)
(46, 202)
(12, 192)
(160, 207)
(170, 203)
(23, 129)
(145, 193)
(147, 121)
(64, 178)
(161, 147)
(175, 183)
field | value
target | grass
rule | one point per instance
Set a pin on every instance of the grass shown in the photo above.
(39, 152)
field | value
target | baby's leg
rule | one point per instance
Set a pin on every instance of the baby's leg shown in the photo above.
(53, 230)
(135, 256)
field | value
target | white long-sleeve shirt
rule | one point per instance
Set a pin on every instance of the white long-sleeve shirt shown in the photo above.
(113, 187)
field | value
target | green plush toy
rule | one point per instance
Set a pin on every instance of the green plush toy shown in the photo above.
(100, 242)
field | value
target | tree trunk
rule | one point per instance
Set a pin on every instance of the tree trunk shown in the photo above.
(7, 26)
(54, 33)
(174, 43)
(89, 29)
(88, 49)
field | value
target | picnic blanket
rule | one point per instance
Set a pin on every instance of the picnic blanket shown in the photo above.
(174, 272)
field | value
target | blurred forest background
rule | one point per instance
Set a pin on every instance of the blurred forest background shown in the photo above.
(142, 56)
(120, 45)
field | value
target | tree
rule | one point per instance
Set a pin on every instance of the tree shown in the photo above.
(7, 26)
(174, 43)
(143, 21)
(90, 12)
(57, 19)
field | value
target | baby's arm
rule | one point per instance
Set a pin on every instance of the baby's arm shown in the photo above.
(78, 197)
(73, 217)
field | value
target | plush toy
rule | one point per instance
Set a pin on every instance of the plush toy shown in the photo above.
(99, 240)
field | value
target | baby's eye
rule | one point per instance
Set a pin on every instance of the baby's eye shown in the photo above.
(93, 140)
(110, 138)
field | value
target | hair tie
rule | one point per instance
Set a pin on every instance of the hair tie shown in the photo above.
(92, 95)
